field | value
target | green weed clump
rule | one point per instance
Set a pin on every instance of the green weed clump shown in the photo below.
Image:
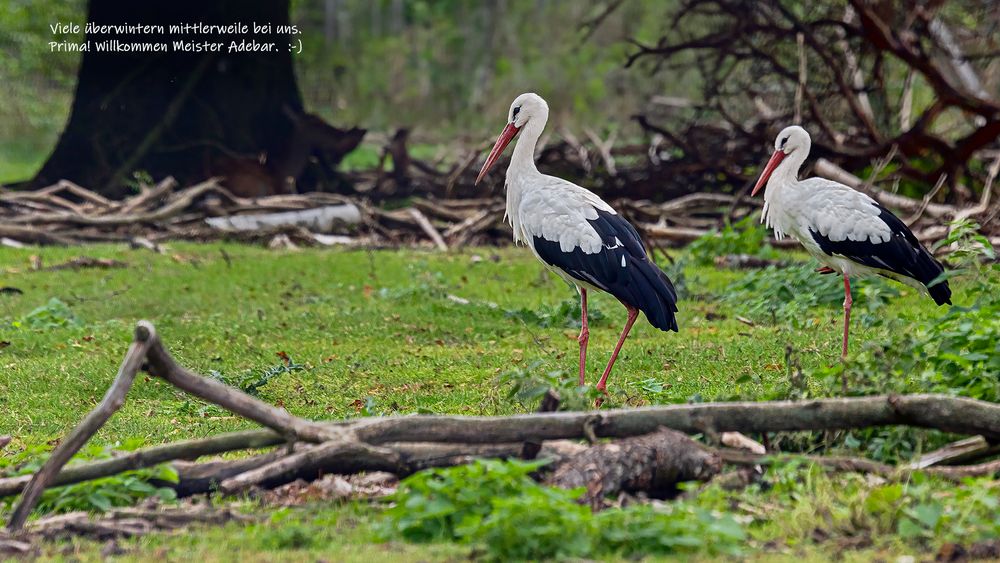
(922, 511)
(99, 495)
(530, 383)
(746, 236)
(54, 314)
(498, 506)
(252, 381)
(564, 315)
(791, 296)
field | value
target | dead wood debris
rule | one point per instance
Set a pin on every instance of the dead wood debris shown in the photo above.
(67, 214)
(117, 523)
(83, 262)
(332, 487)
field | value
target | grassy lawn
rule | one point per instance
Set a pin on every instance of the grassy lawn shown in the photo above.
(397, 332)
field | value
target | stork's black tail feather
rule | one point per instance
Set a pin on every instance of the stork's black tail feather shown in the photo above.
(654, 294)
(940, 292)
(925, 269)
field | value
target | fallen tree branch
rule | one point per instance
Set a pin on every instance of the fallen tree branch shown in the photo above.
(369, 456)
(113, 400)
(860, 465)
(163, 365)
(149, 457)
(428, 228)
(962, 450)
(941, 412)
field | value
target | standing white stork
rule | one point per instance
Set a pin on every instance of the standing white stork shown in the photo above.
(577, 235)
(847, 231)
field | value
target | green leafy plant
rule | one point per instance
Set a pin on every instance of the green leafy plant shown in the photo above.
(564, 315)
(100, 495)
(252, 382)
(54, 314)
(450, 503)
(499, 506)
(922, 510)
(531, 383)
(789, 295)
(746, 236)
(969, 245)
(677, 527)
(538, 523)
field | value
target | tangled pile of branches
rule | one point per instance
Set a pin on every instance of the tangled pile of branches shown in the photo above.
(905, 82)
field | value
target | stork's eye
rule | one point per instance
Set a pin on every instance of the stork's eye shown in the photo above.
(783, 141)
(516, 110)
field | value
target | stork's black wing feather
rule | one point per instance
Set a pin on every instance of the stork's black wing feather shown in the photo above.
(902, 254)
(621, 268)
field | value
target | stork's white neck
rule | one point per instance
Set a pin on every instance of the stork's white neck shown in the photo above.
(780, 191)
(787, 173)
(523, 159)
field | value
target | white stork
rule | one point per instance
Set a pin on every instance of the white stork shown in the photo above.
(577, 235)
(847, 231)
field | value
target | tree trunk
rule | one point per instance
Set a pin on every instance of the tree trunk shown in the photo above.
(190, 115)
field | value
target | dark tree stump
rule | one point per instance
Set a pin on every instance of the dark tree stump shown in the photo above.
(653, 463)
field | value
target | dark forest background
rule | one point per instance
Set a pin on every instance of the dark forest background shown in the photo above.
(650, 98)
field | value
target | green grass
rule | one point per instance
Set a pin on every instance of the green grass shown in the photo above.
(377, 329)
(376, 325)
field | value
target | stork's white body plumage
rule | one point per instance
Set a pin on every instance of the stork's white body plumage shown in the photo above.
(830, 209)
(577, 235)
(555, 210)
(846, 230)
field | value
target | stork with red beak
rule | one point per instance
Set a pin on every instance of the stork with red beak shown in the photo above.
(577, 235)
(847, 231)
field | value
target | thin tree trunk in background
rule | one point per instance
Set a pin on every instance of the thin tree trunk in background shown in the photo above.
(396, 16)
(488, 18)
(330, 8)
(343, 23)
(958, 65)
(375, 10)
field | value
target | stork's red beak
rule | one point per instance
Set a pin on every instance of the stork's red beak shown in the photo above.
(506, 135)
(776, 159)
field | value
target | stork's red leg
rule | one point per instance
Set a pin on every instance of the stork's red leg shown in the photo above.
(584, 336)
(847, 313)
(632, 314)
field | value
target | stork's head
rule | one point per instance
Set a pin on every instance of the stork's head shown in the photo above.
(526, 107)
(792, 139)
